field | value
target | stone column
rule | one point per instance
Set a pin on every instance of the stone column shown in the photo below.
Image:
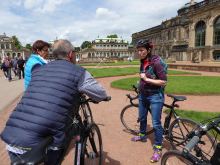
(192, 35)
(209, 33)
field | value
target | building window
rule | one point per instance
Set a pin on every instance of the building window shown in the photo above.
(200, 34)
(7, 46)
(217, 31)
(2, 46)
(216, 55)
(169, 35)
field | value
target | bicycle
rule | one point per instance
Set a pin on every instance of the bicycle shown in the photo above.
(88, 146)
(186, 156)
(175, 132)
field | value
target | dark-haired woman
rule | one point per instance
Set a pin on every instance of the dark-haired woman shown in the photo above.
(38, 57)
(152, 82)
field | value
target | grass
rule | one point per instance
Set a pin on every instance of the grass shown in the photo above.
(194, 85)
(109, 72)
(116, 63)
(196, 115)
(177, 72)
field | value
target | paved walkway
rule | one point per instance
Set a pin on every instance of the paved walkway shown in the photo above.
(9, 91)
(118, 150)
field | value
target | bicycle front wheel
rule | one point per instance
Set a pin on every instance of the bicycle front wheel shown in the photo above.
(178, 131)
(92, 151)
(129, 119)
(86, 114)
(174, 157)
(179, 135)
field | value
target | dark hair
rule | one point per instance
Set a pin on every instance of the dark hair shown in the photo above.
(145, 44)
(39, 45)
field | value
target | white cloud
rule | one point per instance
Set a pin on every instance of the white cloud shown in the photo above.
(79, 20)
(103, 13)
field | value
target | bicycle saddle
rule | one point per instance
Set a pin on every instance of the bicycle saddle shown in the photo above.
(177, 98)
(35, 156)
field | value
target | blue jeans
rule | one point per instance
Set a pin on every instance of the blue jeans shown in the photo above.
(155, 104)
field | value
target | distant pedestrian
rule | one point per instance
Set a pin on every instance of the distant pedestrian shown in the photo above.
(4, 69)
(40, 51)
(14, 65)
(8, 65)
(20, 65)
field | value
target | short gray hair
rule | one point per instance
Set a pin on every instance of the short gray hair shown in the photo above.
(61, 49)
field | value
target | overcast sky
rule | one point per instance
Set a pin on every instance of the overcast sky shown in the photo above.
(80, 20)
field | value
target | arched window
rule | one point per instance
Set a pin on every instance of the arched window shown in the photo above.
(89, 55)
(217, 31)
(200, 34)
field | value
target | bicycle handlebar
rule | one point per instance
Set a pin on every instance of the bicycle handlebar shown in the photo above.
(108, 98)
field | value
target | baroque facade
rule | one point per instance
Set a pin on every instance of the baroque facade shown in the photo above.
(7, 48)
(106, 49)
(193, 35)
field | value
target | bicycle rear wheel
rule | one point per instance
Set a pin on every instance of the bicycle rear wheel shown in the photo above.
(179, 135)
(174, 157)
(129, 119)
(92, 151)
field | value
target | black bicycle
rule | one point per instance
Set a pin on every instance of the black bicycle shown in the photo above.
(192, 153)
(175, 130)
(88, 148)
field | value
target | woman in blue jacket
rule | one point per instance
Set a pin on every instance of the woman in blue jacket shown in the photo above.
(37, 58)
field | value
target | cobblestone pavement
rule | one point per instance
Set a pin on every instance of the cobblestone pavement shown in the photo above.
(118, 149)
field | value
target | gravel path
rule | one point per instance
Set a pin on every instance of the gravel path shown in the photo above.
(118, 149)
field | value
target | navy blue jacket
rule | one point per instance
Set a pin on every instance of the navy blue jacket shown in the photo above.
(45, 106)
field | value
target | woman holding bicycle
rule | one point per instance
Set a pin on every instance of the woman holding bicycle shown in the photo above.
(152, 82)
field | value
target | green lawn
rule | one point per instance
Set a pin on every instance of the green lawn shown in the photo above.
(117, 63)
(195, 85)
(196, 115)
(108, 72)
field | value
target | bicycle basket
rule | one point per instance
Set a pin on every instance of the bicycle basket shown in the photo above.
(215, 159)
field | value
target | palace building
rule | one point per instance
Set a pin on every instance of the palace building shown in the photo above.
(106, 49)
(193, 35)
(7, 48)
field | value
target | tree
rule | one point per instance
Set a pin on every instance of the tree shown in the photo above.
(28, 46)
(112, 36)
(16, 42)
(86, 44)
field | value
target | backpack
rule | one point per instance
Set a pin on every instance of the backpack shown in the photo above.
(151, 68)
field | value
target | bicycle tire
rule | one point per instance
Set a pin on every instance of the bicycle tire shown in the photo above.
(178, 132)
(174, 157)
(129, 119)
(86, 114)
(92, 149)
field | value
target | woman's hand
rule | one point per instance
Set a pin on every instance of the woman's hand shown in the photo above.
(152, 81)
(143, 76)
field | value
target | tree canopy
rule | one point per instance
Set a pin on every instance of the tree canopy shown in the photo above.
(86, 44)
(112, 36)
(16, 42)
(28, 46)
